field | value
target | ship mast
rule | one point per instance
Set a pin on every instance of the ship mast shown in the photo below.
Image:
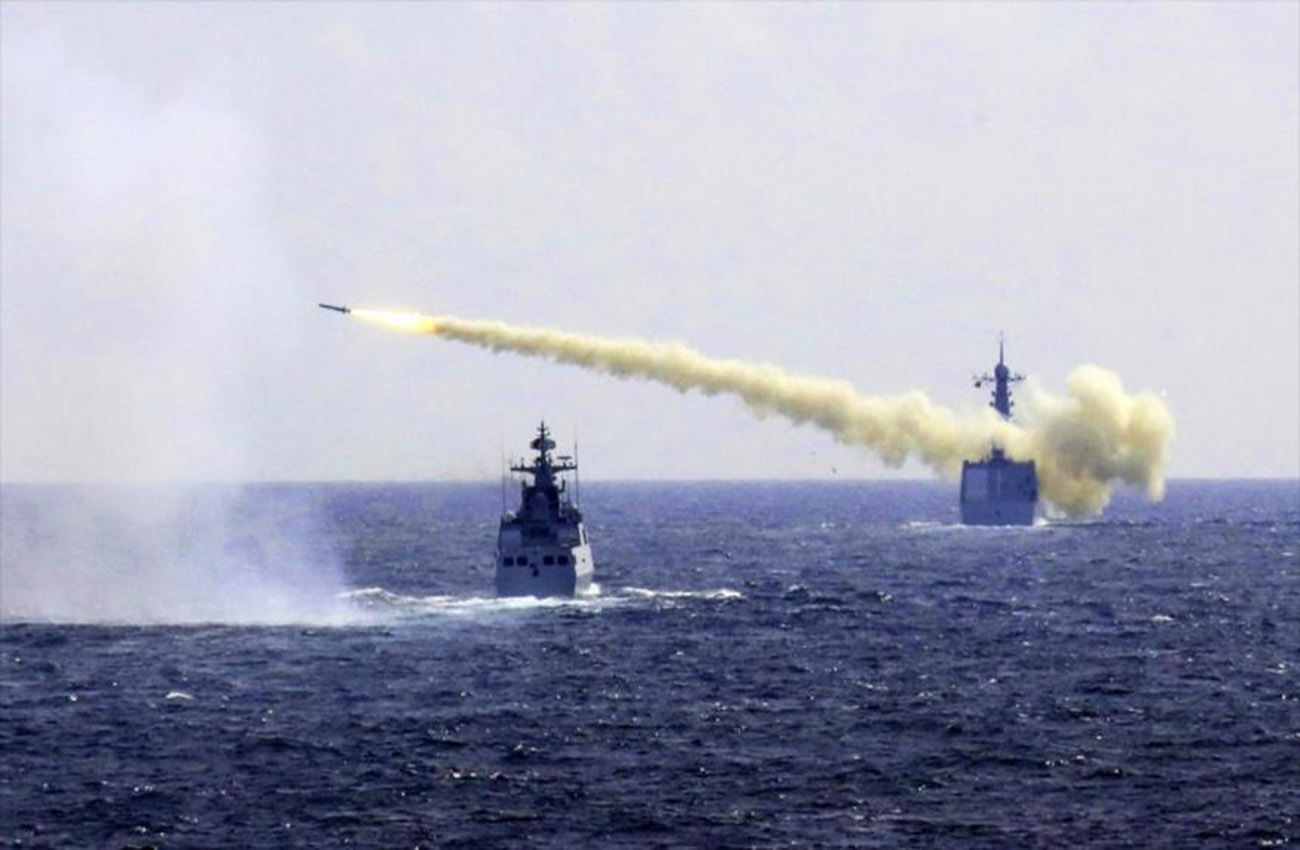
(1002, 379)
(544, 468)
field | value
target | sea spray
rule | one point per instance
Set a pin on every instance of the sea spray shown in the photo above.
(168, 554)
(1083, 442)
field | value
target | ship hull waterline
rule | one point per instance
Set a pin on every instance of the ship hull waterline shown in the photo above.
(542, 574)
(999, 492)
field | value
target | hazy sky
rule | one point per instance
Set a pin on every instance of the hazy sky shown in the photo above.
(865, 191)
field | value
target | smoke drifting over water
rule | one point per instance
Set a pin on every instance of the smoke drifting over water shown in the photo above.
(166, 554)
(1084, 442)
(141, 340)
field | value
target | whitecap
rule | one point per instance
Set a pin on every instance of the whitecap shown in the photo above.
(378, 601)
(719, 593)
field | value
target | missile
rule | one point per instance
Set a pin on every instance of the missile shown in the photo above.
(335, 307)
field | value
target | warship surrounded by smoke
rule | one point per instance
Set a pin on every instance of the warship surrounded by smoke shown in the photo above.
(999, 490)
(1081, 444)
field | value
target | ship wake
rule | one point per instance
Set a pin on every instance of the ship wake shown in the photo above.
(382, 604)
(722, 593)
(378, 604)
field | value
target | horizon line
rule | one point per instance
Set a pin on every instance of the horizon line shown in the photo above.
(496, 481)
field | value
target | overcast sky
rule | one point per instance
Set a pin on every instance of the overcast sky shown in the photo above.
(866, 191)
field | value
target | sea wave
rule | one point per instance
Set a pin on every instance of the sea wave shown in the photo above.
(648, 593)
(379, 602)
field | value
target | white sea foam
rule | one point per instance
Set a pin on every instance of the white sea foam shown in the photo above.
(648, 593)
(379, 604)
(1040, 524)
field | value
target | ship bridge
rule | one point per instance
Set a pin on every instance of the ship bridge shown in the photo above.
(544, 507)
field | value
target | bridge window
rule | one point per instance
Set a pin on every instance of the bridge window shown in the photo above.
(509, 562)
(549, 560)
(562, 560)
(521, 561)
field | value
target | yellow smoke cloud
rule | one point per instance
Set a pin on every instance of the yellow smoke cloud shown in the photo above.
(1081, 443)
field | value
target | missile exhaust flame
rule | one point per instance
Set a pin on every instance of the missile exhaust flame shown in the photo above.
(1081, 443)
(398, 320)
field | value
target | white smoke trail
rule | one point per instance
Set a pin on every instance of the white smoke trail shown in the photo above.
(1082, 443)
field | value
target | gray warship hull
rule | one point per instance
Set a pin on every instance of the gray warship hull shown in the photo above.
(542, 547)
(998, 492)
(545, 572)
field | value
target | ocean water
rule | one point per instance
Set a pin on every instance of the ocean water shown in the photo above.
(765, 665)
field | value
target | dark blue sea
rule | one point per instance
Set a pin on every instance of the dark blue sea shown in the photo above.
(764, 665)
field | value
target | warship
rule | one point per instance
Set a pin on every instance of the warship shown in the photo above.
(998, 490)
(542, 548)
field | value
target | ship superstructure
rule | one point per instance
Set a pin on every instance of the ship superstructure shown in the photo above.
(999, 490)
(542, 547)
